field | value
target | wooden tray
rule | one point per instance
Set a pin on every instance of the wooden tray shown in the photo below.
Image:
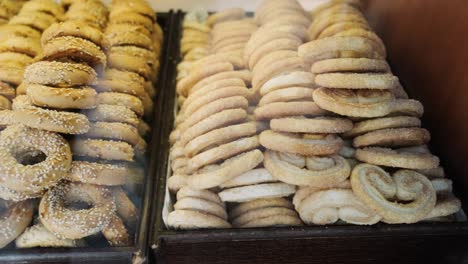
(422, 38)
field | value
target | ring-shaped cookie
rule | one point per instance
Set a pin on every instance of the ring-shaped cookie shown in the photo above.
(257, 191)
(357, 80)
(316, 125)
(393, 137)
(378, 190)
(229, 169)
(222, 152)
(218, 136)
(285, 109)
(355, 103)
(191, 219)
(301, 144)
(366, 126)
(289, 173)
(286, 95)
(397, 159)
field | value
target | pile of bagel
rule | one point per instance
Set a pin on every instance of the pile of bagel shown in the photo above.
(74, 141)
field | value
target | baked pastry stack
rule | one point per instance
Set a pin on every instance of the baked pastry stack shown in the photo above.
(127, 85)
(264, 213)
(271, 50)
(303, 140)
(230, 31)
(348, 61)
(90, 12)
(9, 8)
(195, 42)
(20, 42)
(213, 141)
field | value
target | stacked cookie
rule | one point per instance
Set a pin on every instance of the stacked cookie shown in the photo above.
(339, 130)
(258, 190)
(272, 48)
(195, 42)
(20, 42)
(230, 31)
(198, 209)
(213, 141)
(348, 61)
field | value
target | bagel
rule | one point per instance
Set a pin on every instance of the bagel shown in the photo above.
(73, 28)
(24, 45)
(37, 20)
(37, 177)
(129, 101)
(113, 113)
(61, 98)
(14, 219)
(60, 74)
(76, 224)
(102, 149)
(49, 120)
(76, 49)
(98, 173)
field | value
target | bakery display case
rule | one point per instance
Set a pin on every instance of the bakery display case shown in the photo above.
(80, 120)
(211, 131)
(247, 222)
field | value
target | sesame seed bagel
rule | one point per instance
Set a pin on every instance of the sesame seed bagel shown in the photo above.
(48, 6)
(117, 131)
(14, 220)
(37, 177)
(60, 74)
(98, 173)
(11, 30)
(11, 72)
(5, 104)
(76, 49)
(76, 224)
(116, 233)
(49, 120)
(102, 149)
(12, 195)
(61, 98)
(113, 113)
(37, 20)
(125, 207)
(130, 101)
(7, 90)
(73, 28)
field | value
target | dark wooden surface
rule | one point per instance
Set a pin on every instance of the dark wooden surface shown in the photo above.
(427, 43)
(401, 249)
